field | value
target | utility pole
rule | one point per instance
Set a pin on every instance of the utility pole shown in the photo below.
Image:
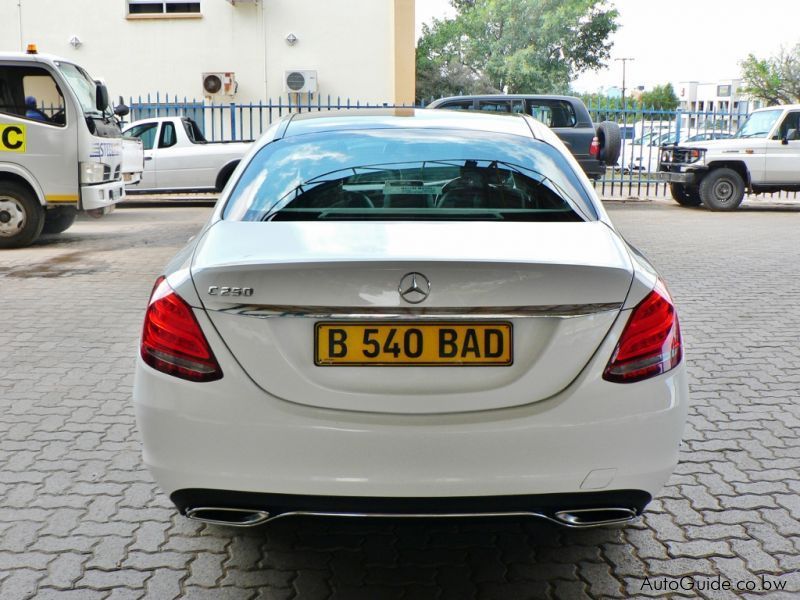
(624, 62)
(21, 40)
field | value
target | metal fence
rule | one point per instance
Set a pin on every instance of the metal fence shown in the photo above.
(643, 130)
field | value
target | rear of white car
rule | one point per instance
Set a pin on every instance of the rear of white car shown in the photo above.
(408, 350)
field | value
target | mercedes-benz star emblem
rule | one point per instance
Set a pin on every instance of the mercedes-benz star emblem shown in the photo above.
(414, 288)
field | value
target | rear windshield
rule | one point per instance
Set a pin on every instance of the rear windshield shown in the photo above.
(407, 174)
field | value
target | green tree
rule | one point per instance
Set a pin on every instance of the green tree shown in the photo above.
(518, 46)
(776, 80)
(661, 97)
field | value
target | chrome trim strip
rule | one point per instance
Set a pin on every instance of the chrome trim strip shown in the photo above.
(561, 518)
(561, 311)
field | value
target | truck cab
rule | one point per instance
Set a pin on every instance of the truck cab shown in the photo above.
(60, 147)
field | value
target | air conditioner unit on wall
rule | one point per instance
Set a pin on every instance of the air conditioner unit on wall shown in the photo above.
(301, 82)
(216, 85)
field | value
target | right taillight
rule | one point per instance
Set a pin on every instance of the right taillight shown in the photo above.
(172, 341)
(650, 344)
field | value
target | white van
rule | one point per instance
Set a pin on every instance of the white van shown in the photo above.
(61, 148)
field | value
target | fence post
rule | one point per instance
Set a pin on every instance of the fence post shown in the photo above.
(233, 120)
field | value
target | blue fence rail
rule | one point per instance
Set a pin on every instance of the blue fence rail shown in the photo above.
(643, 130)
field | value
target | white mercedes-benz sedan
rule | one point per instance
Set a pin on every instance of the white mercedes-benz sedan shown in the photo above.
(405, 313)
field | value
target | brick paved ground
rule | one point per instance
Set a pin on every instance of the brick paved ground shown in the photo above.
(79, 518)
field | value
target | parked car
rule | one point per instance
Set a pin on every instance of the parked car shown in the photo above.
(177, 157)
(411, 312)
(594, 147)
(762, 157)
(643, 154)
(708, 135)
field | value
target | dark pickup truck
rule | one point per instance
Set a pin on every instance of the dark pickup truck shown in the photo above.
(594, 147)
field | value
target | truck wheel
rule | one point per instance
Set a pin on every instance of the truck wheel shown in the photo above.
(21, 215)
(610, 142)
(722, 189)
(683, 195)
(59, 218)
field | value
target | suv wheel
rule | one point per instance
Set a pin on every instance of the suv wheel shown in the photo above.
(683, 195)
(722, 189)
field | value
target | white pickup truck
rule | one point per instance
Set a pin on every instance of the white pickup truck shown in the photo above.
(763, 157)
(178, 158)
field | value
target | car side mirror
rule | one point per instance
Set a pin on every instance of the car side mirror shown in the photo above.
(121, 110)
(101, 93)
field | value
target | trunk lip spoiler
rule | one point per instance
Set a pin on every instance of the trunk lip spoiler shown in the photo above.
(563, 311)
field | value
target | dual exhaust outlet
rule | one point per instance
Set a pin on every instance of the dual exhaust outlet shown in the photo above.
(577, 518)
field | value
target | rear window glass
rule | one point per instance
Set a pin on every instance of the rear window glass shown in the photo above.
(460, 105)
(407, 174)
(553, 113)
(513, 106)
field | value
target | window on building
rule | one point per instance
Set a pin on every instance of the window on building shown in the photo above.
(162, 7)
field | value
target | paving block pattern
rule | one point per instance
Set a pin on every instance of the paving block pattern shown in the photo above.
(80, 518)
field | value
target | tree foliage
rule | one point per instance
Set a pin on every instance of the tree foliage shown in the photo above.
(661, 97)
(775, 80)
(518, 46)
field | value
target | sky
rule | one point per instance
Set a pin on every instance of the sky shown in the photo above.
(680, 40)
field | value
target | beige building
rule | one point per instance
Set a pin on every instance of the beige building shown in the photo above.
(357, 49)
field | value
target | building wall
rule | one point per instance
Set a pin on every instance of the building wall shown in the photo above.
(354, 45)
(704, 96)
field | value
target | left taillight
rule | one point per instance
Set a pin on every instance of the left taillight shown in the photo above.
(594, 147)
(651, 343)
(172, 341)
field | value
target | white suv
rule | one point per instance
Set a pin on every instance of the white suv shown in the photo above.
(763, 157)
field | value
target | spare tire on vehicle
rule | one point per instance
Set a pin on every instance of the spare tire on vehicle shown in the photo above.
(610, 142)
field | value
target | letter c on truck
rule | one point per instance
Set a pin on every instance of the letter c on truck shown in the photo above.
(12, 138)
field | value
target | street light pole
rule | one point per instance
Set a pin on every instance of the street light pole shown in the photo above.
(624, 62)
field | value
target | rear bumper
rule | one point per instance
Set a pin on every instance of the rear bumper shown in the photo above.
(102, 195)
(230, 435)
(548, 506)
(593, 168)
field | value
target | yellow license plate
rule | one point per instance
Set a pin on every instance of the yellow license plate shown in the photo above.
(433, 344)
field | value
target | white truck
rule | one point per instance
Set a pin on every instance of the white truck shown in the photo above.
(61, 148)
(762, 157)
(178, 157)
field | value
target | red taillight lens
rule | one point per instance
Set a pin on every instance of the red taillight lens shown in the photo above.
(651, 341)
(172, 341)
(594, 148)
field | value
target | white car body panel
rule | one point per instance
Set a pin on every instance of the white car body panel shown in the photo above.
(256, 442)
(358, 266)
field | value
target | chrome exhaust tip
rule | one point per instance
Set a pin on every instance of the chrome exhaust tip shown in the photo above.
(232, 517)
(595, 517)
